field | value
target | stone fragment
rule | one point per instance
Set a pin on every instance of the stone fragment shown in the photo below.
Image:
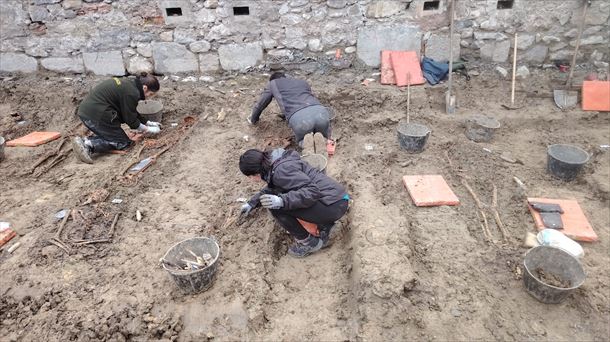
(371, 40)
(315, 45)
(184, 36)
(298, 3)
(144, 49)
(240, 56)
(350, 49)
(537, 54)
(108, 63)
(591, 30)
(467, 32)
(39, 14)
(205, 15)
(64, 64)
(336, 3)
(525, 41)
(438, 47)
(72, 4)
(173, 58)
(44, 2)
(167, 36)
(200, 46)
(522, 72)
(589, 41)
(384, 8)
(209, 62)
(495, 51)
(17, 62)
(280, 53)
(138, 64)
(550, 39)
(211, 4)
(503, 72)
(489, 36)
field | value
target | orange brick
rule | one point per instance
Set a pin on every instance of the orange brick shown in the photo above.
(575, 223)
(34, 139)
(387, 72)
(406, 62)
(429, 190)
(596, 95)
(6, 236)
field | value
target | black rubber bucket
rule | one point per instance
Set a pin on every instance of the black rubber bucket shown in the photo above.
(555, 264)
(192, 281)
(566, 161)
(150, 110)
(412, 137)
(481, 128)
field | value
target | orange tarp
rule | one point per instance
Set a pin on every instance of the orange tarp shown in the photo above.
(34, 139)
(596, 95)
(429, 190)
(575, 223)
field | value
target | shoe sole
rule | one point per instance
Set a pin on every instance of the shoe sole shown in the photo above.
(318, 247)
(80, 151)
(308, 144)
(320, 144)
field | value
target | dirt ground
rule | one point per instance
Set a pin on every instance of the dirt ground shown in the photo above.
(395, 271)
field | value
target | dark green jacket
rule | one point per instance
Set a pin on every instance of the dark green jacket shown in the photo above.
(114, 101)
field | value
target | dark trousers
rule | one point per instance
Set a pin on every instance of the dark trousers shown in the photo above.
(312, 119)
(107, 136)
(322, 215)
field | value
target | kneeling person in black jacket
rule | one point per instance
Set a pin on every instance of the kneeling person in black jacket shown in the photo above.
(294, 191)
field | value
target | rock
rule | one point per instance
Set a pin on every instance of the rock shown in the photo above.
(572, 33)
(209, 62)
(525, 41)
(144, 49)
(207, 79)
(371, 40)
(333, 34)
(455, 312)
(589, 41)
(495, 51)
(597, 56)
(438, 47)
(240, 56)
(104, 63)
(502, 71)
(109, 39)
(298, 3)
(315, 45)
(591, 30)
(72, 4)
(218, 32)
(173, 58)
(39, 13)
(44, 2)
(291, 19)
(295, 38)
(184, 36)
(489, 36)
(475, 73)
(522, 72)
(350, 49)
(384, 8)
(336, 3)
(280, 53)
(558, 46)
(211, 4)
(17, 62)
(166, 36)
(200, 46)
(550, 39)
(64, 64)
(467, 33)
(601, 65)
(139, 64)
(205, 15)
(537, 54)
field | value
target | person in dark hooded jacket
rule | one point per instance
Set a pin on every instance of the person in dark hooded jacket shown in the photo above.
(294, 191)
(108, 105)
(299, 106)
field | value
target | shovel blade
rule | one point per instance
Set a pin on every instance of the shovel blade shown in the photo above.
(449, 103)
(565, 99)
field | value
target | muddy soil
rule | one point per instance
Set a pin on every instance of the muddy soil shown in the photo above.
(394, 272)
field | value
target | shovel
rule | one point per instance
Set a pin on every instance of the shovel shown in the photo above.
(512, 106)
(450, 99)
(566, 98)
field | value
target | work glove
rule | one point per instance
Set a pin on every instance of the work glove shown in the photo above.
(249, 119)
(246, 208)
(272, 201)
(153, 124)
(153, 130)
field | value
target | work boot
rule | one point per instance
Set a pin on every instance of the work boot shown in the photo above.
(81, 151)
(308, 144)
(302, 248)
(319, 142)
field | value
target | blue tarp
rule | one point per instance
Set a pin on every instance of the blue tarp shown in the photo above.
(434, 72)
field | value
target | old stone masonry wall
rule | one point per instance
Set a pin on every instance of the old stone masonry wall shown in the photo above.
(115, 37)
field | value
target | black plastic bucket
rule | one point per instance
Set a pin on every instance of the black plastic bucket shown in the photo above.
(555, 263)
(481, 128)
(566, 161)
(412, 137)
(150, 110)
(192, 281)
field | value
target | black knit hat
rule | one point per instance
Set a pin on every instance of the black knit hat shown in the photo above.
(251, 162)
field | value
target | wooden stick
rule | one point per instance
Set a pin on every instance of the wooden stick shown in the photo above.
(88, 242)
(512, 93)
(59, 244)
(580, 29)
(62, 224)
(116, 218)
(494, 208)
(408, 96)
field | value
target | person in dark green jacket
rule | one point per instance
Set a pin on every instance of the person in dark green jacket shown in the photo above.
(108, 105)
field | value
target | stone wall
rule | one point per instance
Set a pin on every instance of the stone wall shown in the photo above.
(115, 37)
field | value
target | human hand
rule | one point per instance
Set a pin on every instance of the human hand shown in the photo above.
(249, 119)
(153, 130)
(246, 208)
(271, 201)
(153, 124)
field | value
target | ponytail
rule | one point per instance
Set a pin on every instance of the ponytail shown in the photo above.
(150, 81)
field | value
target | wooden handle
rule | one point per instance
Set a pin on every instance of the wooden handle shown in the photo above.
(580, 29)
(512, 92)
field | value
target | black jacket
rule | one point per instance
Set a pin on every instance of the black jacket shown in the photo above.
(291, 95)
(114, 101)
(298, 184)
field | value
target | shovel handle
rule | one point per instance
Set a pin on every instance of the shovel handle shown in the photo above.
(512, 91)
(580, 29)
